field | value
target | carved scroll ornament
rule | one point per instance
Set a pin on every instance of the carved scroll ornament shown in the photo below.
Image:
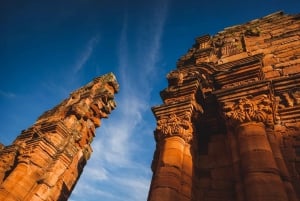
(250, 109)
(173, 125)
(175, 77)
(289, 98)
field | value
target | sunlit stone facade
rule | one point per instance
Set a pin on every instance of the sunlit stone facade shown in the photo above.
(229, 125)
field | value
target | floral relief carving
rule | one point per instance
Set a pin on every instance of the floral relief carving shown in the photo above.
(252, 31)
(250, 109)
(173, 125)
(228, 46)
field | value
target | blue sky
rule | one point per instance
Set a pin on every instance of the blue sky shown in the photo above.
(50, 48)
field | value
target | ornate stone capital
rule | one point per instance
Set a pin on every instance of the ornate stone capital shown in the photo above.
(249, 109)
(172, 125)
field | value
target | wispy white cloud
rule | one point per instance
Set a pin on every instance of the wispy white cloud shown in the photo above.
(138, 64)
(123, 47)
(87, 190)
(98, 174)
(124, 183)
(7, 94)
(121, 139)
(87, 52)
(152, 47)
(115, 136)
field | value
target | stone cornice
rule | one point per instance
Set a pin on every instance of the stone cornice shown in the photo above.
(240, 72)
(235, 93)
(178, 92)
(179, 108)
(239, 63)
(287, 96)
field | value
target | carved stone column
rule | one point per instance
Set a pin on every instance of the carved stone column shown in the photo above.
(260, 173)
(235, 156)
(172, 177)
(173, 163)
(283, 171)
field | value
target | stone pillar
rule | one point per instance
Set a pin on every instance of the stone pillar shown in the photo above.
(283, 171)
(49, 156)
(172, 175)
(235, 156)
(260, 173)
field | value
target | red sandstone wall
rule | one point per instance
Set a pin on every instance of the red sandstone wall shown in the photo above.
(237, 97)
(46, 160)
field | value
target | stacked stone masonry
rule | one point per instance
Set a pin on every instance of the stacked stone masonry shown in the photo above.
(229, 125)
(45, 161)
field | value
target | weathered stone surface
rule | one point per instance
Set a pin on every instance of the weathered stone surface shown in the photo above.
(46, 160)
(234, 102)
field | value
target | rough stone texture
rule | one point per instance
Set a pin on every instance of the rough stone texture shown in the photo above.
(46, 160)
(229, 125)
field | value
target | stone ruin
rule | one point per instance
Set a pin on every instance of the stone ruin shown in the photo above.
(45, 160)
(229, 125)
(228, 128)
